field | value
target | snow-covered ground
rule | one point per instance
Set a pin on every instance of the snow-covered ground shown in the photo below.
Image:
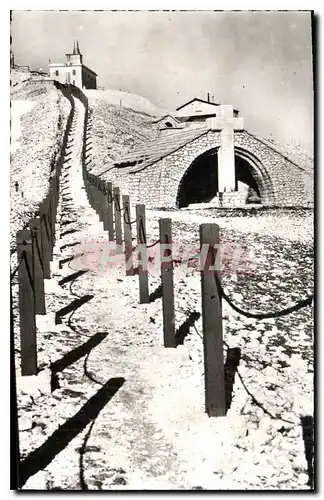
(37, 128)
(18, 108)
(145, 426)
(116, 129)
(126, 100)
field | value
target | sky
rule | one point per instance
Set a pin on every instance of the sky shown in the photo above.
(260, 62)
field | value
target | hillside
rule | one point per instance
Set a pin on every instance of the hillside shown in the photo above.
(38, 119)
(125, 100)
(118, 128)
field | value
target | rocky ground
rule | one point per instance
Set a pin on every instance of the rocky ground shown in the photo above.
(125, 413)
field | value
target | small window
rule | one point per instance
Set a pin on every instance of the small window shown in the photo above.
(168, 124)
(73, 72)
(57, 72)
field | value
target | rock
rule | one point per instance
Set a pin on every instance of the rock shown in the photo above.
(254, 345)
(295, 432)
(287, 445)
(26, 385)
(269, 320)
(270, 373)
(25, 424)
(303, 478)
(238, 424)
(255, 334)
(266, 424)
(260, 437)
(44, 380)
(299, 463)
(35, 385)
(25, 400)
(120, 480)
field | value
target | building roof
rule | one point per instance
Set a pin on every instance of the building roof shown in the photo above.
(150, 152)
(164, 117)
(203, 101)
(91, 70)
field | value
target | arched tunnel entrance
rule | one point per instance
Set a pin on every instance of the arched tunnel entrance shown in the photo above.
(200, 182)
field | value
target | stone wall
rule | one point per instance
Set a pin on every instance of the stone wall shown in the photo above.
(281, 182)
(288, 182)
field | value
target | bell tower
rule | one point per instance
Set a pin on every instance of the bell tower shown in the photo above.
(76, 56)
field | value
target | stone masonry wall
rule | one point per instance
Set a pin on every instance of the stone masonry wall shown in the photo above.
(288, 180)
(281, 183)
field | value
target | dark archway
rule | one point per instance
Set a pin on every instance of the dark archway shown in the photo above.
(200, 182)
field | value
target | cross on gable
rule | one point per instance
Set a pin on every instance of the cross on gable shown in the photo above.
(225, 119)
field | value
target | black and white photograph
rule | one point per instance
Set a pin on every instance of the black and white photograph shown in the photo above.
(162, 198)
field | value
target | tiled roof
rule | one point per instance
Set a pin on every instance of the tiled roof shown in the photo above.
(164, 117)
(150, 152)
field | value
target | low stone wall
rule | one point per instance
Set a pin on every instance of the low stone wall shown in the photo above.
(234, 199)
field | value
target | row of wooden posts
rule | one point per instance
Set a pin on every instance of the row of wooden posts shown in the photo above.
(34, 250)
(105, 199)
(34, 254)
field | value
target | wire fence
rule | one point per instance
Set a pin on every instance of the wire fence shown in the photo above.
(276, 314)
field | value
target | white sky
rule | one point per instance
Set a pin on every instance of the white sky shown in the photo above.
(261, 62)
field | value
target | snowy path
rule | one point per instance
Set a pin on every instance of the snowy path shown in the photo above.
(127, 450)
(152, 432)
(147, 436)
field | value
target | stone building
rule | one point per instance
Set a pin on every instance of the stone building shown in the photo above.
(197, 111)
(73, 71)
(207, 161)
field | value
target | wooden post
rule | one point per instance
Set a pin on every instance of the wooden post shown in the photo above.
(101, 200)
(92, 193)
(37, 268)
(118, 224)
(95, 196)
(51, 219)
(53, 208)
(110, 216)
(141, 241)
(48, 212)
(45, 240)
(212, 323)
(167, 282)
(89, 192)
(105, 205)
(57, 190)
(91, 189)
(128, 236)
(26, 304)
